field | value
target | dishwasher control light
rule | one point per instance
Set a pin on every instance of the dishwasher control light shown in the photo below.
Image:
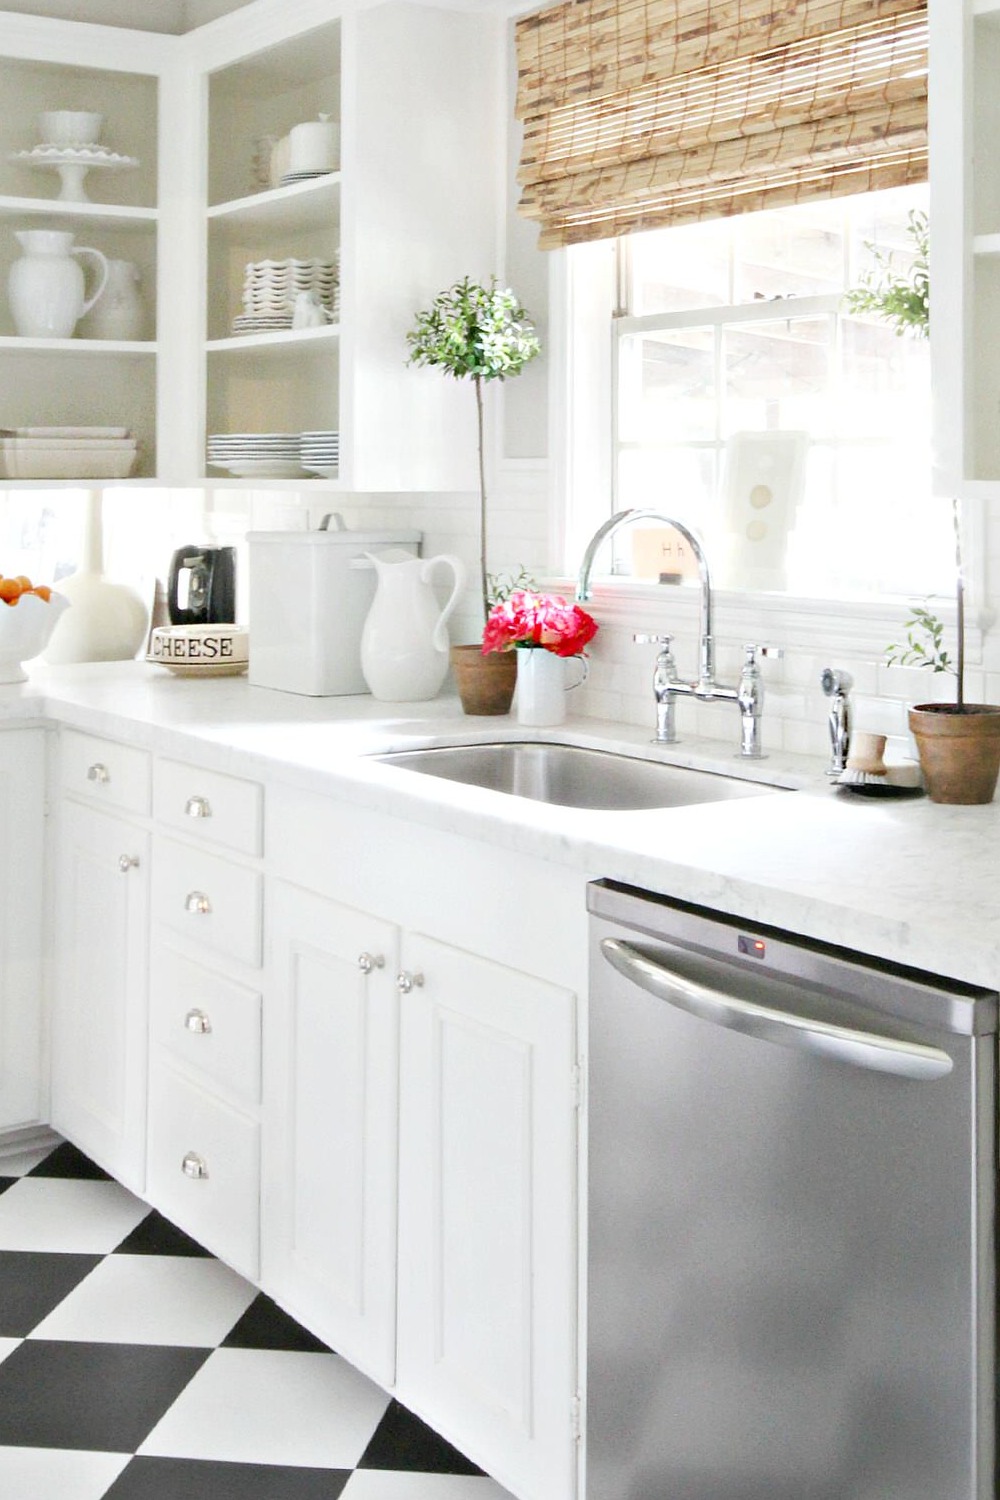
(751, 946)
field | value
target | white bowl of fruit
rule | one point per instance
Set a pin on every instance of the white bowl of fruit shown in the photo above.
(28, 615)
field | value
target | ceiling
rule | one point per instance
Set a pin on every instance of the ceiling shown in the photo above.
(169, 16)
(172, 17)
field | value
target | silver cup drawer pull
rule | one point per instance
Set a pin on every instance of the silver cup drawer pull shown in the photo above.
(198, 1022)
(197, 902)
(406, 982)
(99, 773)
(128, 862)
(369, 961)
(194, 1166)
(198, 807)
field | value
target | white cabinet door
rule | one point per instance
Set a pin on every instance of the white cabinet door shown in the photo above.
(487, 1253)
(99, 997)
(330, 1085)
(22, 791)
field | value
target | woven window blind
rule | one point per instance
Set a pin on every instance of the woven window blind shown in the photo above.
(644, 113)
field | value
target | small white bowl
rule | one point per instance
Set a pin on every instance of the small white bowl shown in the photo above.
(25, 628)
(200, 650)
(69, 127)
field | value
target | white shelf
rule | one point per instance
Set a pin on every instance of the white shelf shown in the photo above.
(986, 8)
(122, 216)
(986, 244)
(300, 206)
(285, 341)
(14, 342)
(310, 482)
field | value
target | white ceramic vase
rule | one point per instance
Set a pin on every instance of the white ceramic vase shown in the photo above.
(404, 643)
(119, 313)
(542, 686)
(46, 288)
(108, 620)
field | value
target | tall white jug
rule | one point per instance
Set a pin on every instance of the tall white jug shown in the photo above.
(46, 288)
(404, 643)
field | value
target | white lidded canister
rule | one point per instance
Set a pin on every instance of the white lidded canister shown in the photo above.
(313, 146)
(310, 593)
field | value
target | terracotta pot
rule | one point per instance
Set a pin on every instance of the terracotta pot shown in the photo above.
(485, 683)
(959, 750)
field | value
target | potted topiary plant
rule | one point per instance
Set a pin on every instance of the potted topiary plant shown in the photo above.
(478, 332)
(958, 743)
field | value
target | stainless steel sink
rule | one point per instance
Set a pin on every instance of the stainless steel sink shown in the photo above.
(571, 776)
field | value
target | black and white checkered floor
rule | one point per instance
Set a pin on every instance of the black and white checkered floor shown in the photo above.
(134, 1365)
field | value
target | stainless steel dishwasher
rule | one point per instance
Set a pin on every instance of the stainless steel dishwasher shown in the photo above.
(792, 1190)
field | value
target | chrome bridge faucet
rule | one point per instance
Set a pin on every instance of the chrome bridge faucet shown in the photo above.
(748, 694)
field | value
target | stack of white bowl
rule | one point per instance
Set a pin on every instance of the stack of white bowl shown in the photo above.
(270, 288)
(67, 452)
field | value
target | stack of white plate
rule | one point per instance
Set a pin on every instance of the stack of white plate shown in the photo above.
(321, 453)
(67, 452)
(270, 288)
(256, 455)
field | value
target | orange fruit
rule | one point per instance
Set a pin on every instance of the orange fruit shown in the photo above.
(10, 590)
(24, 581)
(43, 591)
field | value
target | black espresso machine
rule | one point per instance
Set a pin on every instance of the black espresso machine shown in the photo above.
(201, 588)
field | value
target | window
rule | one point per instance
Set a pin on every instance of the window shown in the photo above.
(793, 435)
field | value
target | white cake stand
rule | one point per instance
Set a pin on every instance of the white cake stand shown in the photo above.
(72, 163)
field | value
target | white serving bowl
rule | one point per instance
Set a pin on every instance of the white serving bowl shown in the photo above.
(69, 127)
(25, 628)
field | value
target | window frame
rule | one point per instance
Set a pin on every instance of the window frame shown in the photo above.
(584, 296)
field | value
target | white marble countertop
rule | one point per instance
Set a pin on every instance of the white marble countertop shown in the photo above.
(907, 881)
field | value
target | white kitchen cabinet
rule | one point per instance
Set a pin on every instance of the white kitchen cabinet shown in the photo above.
(98, 1009)
(486, 1196)
(127, 78)
(965, 241)
(486, 1250)
(416, 90)
(206, 1009)
(329, 1199)
(22, 805)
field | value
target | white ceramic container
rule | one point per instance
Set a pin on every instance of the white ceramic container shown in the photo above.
(310, 592)
(46, 287)
(542, 685)
(313, 146)
(119, 313)
(70, 127)
(404, 643)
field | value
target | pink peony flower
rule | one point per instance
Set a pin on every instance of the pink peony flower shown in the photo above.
(546, 620)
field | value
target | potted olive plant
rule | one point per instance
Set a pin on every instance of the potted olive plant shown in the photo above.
(958, 742)
(478, 332)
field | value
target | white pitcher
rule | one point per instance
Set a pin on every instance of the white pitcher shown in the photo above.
(120, 313)
(46, 287)
(404, 643)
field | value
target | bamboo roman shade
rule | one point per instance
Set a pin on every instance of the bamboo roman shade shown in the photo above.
(644, 113)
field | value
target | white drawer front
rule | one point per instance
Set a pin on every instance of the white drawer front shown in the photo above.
(207, 805)
(208, 899)
(206, 1022)
(108, 774)
(203, 1170)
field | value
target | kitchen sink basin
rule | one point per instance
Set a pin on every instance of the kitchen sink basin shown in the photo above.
(571, 776)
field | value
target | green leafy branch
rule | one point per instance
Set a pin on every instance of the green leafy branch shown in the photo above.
(924, 643)
(902, 297)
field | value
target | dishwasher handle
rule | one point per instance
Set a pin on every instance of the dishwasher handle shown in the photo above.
(863, 1049)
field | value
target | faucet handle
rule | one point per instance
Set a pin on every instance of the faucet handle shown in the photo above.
(769, 653)
(641, 638)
